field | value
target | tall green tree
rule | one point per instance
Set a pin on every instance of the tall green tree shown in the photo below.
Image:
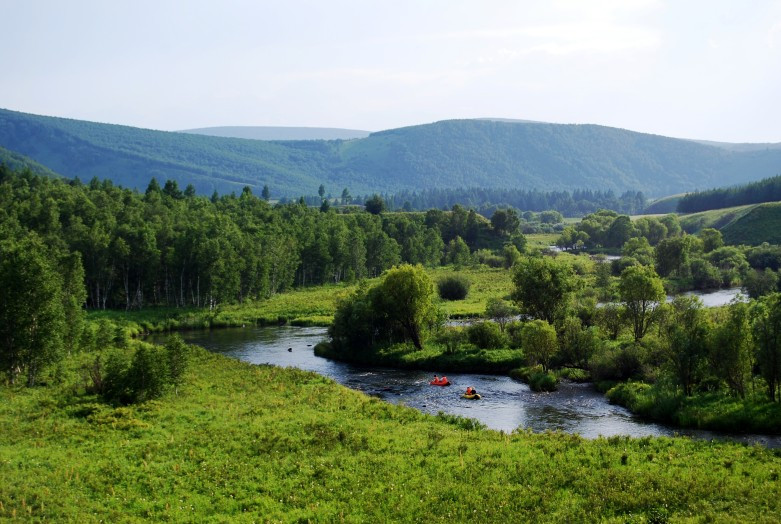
(540, 342)
(766, 314)
(543, 287)
(732, 346)
(31, 309)
(642, 292)
(685, 334)
(406, 297)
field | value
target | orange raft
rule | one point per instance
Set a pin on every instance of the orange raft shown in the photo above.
(440, 382)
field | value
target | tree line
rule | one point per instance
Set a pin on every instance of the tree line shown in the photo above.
(168, 246)
(765, 190)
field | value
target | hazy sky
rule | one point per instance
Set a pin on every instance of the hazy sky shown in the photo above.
(696, 69)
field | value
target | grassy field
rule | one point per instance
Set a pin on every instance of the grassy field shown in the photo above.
(250, 443)
(306, 306)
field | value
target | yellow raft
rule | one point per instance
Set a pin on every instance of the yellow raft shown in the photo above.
(476, 396)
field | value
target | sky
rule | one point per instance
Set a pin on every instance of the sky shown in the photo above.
(705, 69)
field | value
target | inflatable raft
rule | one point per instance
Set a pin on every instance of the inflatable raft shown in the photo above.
(476, 396)
(440, 382)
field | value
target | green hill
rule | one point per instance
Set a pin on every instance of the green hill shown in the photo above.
(455, 153)
(749, 224)
(668, 204)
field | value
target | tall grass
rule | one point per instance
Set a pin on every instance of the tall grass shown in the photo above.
(250, 443)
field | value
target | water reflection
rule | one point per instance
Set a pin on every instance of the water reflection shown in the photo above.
(505, 405)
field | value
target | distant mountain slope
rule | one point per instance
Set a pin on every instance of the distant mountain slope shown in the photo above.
(454, 153)
(280, 133)
(739, 147)
(17, 162)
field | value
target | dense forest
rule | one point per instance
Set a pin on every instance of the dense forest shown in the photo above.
(485, 200)
(168, 246)
(765, 190)
(455, 153)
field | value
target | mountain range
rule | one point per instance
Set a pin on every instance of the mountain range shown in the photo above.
(452, 153)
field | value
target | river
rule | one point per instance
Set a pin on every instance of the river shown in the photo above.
(506, 403)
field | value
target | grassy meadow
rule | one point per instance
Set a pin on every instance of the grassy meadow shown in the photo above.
(257, 443)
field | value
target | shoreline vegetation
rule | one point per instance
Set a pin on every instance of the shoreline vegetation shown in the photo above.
(240, 441)
(316, 307)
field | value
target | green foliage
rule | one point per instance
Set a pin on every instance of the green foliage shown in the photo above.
(540, 343)
(457, 252)
(375, 205)
(684, 329)
(731, 347)
(451, 338)
(766, 317)
(486, 335)
(399, 307)
(760, 283)
(621, 362)
(542, 287)
(500, 311)
(453, 287)
(765, 190)
(711, 239)
(295, 446)
(32, 317)
(543, 382)
(712, 411)
(641, 292)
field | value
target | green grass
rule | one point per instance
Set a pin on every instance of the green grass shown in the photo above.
(713, 411)
(485, 283)
(311, 306)
(245, 443)
(762, 223)
(433, 357)
(715, 218)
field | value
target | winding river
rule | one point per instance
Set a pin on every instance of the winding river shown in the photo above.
(506, 403)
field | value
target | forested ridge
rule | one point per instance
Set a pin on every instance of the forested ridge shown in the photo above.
(765, 190)
(447, 154)
(168, 246)
(576, 203)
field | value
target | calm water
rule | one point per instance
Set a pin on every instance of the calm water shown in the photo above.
(506, 404)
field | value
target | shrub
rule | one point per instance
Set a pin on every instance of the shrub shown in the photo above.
(452, 338)
(454, 287)
(486, 335)
(148, 373)
(513, 332)
(616, 363)
(543, 381)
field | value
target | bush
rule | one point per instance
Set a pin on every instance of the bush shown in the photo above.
(455, 287)
(513, 332)
(148, 373)
(486, 335)
(543, 381)
(452, 338)
(616, 363)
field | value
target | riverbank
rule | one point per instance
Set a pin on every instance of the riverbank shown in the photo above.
(710, 411)
(432, 357)
(246, 443)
